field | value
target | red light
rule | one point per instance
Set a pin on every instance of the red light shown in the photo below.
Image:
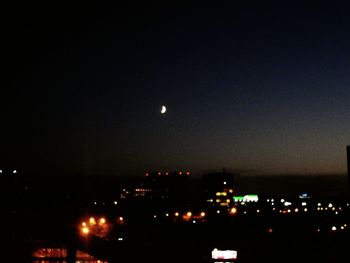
(187, 173)
(147, 174)
(166, 173)
(159, 173)
(270, 230)
(180, 173)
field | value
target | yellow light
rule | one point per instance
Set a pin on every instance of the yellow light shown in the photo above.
(176, 214)
(92, 221)
(224, 193)
(228, 200)
(85, 230)
(218, 200)
(102, 220)
(202, 214)
(233, 210)
(83, 224)
(218, 194)
(189, 214)
(231, 191)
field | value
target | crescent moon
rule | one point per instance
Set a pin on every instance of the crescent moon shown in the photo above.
(163, 110)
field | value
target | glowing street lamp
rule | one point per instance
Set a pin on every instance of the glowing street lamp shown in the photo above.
(85, 230)
(92, 221)
(102, 221)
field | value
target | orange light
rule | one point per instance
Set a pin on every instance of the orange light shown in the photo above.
(121, 218)
(92, 221)
(83, 224)
(176, 214)
(233, 210)
(85, 230)
(189, 214)
(102, 220)
(202, 214)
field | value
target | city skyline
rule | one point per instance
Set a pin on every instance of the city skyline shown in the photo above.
(259, 89)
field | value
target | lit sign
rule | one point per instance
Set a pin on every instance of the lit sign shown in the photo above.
(224, 254)
(238, 198)
(246, 198)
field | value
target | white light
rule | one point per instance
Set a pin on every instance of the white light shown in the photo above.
(336, 212)
(224, 183)
(268, 200)
(305, 209)
(330, 205)
(218, 211)
(95, 203)
(166, 214)
(120, 239)
(154, 216)
(115, 202)
(303, 204)
(258, 211)
(287, 203)
(14, 171)
(296, 210)
(194, 221)
(334, 228)
(272, 200)
(224, 254)
(272, 203)
(342, 228)
(282, 200)
(319, 204)
(0, 171)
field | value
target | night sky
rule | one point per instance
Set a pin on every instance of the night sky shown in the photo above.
(256, 88)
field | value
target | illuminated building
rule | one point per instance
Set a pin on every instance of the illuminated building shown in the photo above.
(220, 188)
(166, 185)
(157, 185)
